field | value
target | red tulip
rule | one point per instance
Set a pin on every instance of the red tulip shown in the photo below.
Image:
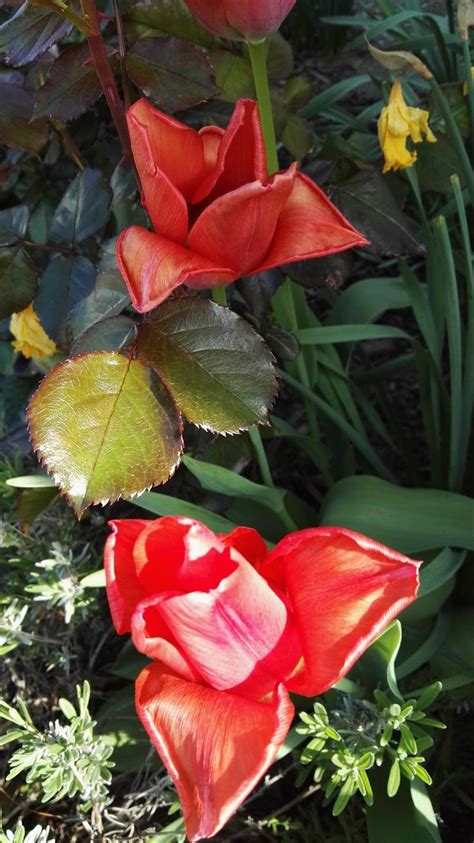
(251, 19)
(231, 628)
(216, 214)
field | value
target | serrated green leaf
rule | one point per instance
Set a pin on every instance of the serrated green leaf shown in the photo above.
(108, 298)
(174, 73)
(71, 87)
(217, 368)
(105, 428)
(64, 283)
(17, 127)
(83, 210)
(18, 281)
(30, 32)
(13, 224)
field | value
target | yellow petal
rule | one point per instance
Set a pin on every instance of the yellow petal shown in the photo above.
(396, 124)
(30, 337)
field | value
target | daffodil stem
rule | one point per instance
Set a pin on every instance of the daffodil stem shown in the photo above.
(455, 136)
(470, 90)
(219, 295)
(258, 58)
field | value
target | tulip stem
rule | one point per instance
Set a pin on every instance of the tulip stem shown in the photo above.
(219, 295)
(258, 58)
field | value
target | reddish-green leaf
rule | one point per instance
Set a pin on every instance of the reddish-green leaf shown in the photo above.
(71, 87)
(17, 128)
(29, 32)
(18, 281)
(175, 74)
(215, 365)
(165, 17)
(104, 427)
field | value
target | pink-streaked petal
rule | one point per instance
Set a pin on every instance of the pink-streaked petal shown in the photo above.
(215, 745)
(344, 589)
(237, 229)
(153, 267)
(152, 637)
(309, 226)
(160, 142)
(124, 590)
(238, 635)
(248, 543)
(256, 20)
(241, 157)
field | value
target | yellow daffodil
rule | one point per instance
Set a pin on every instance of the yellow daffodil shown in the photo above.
(30, 337)
(396, 124)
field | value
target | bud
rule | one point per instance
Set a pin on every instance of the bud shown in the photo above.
(399, 61)
(252, 20)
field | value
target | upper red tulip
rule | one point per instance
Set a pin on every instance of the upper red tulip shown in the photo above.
(216, 214)
(231, 629)
(250, 19)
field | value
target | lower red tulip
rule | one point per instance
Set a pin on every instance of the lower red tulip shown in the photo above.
(231, 629)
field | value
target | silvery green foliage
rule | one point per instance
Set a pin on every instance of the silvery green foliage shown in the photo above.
(57, 582)
(38, 834)
(346, 743)
(66, 759)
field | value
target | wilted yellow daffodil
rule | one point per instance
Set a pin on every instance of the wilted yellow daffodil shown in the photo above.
(396, 124)
(30, 337)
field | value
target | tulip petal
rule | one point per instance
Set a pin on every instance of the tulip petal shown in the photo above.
(124, 590)
(153, 266)
(344, 589)
(161, 143)
(180, 554)
(309, 226)
(248, 543)
(237, 229)
(212, 15)
(211, 137)
(152, 637)
(238, 635)
(241, 156)
(215, 745)
(256, 20)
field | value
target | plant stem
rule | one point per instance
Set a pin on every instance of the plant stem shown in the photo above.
(258, 58)
(470, 91)
(219, 295)
(263, 465)
(69, 144)
(101, 63)
(122, 54)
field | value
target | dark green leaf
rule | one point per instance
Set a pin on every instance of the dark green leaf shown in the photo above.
(369, 204)
(167, 505)
(65, 282)
(366, 300)
(166, 17)
(104, 427)
(409, 520)
(32, 502)
(175, 74)
(17, 129)
(108, 335)
(333, 270)
(217, 368)
(83, 210)
(13, 224)
(18, 281)
(29, 32)
(407, 817)
(71, 87)
(233, 75)
(436, 163)
(377, 664)
(108, 298)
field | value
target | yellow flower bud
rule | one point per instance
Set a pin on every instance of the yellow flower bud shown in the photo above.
(30, 337)
(396, 124)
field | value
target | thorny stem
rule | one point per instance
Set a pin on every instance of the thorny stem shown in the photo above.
(101, 63)
(122, 54)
